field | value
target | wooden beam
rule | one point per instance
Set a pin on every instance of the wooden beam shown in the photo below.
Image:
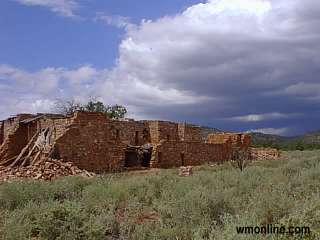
(23, 151)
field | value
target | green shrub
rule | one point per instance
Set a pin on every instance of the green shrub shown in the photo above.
(210, 204)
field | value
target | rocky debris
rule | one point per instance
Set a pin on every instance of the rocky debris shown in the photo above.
(264, 153)
(45, 170)
(185, 171)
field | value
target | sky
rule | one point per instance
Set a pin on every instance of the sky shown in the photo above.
(239, 65)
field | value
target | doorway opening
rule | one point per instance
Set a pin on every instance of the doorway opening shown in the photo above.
(136, 139)
(131, 159)
(1, 132)
(146, 157)
(138, 156)
(182, 159)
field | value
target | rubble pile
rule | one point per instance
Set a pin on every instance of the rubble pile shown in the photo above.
(264, 153)
(44, 170)
(185, 171)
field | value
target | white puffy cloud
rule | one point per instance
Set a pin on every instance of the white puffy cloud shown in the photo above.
(25, 91)
(113, 20)
(250, 60)
(263, 117)
(65, 8)
(274, 131)
(228, 56)
(82, 75)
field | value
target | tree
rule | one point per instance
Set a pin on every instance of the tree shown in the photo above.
(240, 158)
(300, 146)
(95, 106)
(116, 111)
(67, 106)
(70, 106)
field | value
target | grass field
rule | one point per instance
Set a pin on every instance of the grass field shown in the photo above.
(210, 204)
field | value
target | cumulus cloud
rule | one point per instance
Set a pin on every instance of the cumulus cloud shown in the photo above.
(25, 91)
(229, 55)
(263, 117)
(65, 8)
(113, 20)
(255, 61)
(273, 131)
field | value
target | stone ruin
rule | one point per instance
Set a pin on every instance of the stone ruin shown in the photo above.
(264, 153)
(95, 143)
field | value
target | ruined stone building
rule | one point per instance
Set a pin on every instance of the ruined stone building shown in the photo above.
(95, 143)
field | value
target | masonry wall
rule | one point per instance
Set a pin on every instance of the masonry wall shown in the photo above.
(264, 153)
(87, 142)
(163, 130)
(1, 132)
(243, 141)
(96, 143)
(14, 142)
(177, 153)
(9, 126)
(189, 132)
(57, 126)
(15, 136)
(130, 132)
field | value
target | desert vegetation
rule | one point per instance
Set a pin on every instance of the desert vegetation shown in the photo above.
(209, 204)
(70, 106)
(309, 141)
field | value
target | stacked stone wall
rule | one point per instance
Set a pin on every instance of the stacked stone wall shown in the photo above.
(87, 142)
(163, 130)
(14, 142)
(1, 133)
(96, 143)
(264, 153)
(189, 132)
(130, 132)
(240, 140)
(181, 153)
(15, 136)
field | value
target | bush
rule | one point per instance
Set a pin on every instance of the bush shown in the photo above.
(207, 205)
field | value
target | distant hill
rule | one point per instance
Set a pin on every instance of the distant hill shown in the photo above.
(205, 131)
(307, 141)
(260, 138)
(311, 137)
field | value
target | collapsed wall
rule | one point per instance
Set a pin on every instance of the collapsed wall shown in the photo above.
(88, 142)
(95, 143)
(168, 154)
(188, 132)
(14, 136)
(238, 140)
(264, 153)
(130, 132)
(85, 139)
(1, 132)
(163, 130)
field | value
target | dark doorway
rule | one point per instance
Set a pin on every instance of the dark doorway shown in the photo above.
(117, 134)
(138, 156)
(182, 159)
(1, 132)
(136, 140)
(159, 157)
(131, 159)
(145, 135)
(146, 157)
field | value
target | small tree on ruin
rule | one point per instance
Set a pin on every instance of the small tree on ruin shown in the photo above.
(116, 111)
(67, 106)
(240, 158)
(70, 106)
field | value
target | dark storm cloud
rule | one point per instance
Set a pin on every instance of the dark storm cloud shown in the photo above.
(231, 64)
(227, 59)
